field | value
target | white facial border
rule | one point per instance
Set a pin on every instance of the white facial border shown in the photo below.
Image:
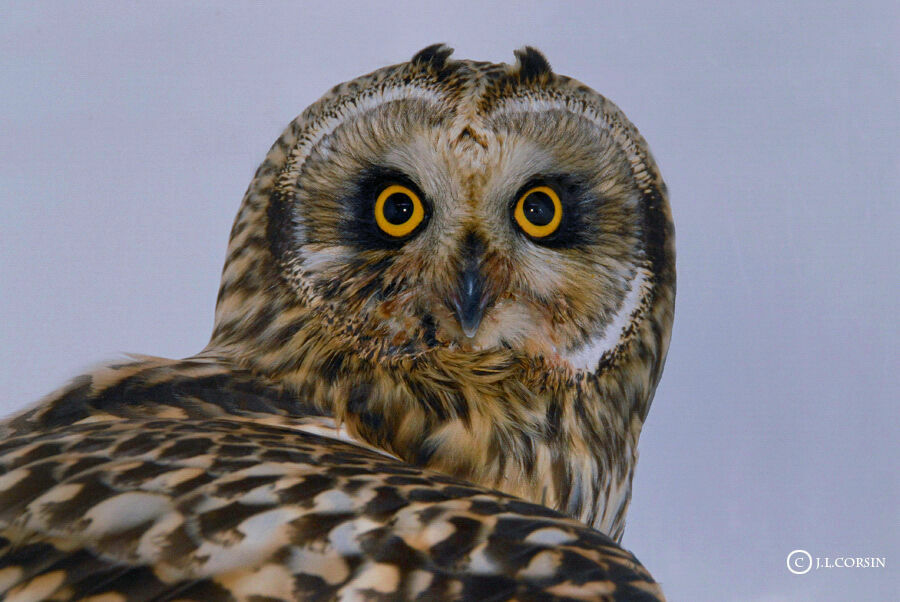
(588, 356)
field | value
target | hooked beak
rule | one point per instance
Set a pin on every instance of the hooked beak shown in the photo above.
(469, 302)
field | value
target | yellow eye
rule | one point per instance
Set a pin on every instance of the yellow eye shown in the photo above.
(398, 211)
(539, 212)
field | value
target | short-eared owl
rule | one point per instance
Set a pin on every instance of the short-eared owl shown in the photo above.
(444, 310)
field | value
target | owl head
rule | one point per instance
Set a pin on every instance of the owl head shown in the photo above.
(445, 241)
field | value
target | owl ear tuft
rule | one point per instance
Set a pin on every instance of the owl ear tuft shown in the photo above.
(531, 64)
(434, 56)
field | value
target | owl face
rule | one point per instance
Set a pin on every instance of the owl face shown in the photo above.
(465, 207)
(468, 265)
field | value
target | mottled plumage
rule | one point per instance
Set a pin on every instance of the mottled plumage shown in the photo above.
(414, 388)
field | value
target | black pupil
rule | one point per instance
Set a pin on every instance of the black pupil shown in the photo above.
(538, 208)
(398, 208)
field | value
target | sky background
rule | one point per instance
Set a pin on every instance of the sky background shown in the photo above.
(129, 134)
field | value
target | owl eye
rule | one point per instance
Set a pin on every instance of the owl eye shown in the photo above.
(539, 211)
(398, 211)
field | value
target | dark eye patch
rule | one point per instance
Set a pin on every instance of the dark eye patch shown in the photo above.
(359, 228)
(578, 201)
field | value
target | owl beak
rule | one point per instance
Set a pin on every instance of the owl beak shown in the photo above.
(469, 302)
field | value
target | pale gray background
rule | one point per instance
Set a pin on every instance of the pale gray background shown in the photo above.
(127, 137)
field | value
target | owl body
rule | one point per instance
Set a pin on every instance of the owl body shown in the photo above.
(445, 307)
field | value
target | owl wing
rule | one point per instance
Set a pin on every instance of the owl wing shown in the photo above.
(227, 509)
(165, 480)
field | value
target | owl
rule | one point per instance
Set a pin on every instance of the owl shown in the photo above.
(445, 308)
